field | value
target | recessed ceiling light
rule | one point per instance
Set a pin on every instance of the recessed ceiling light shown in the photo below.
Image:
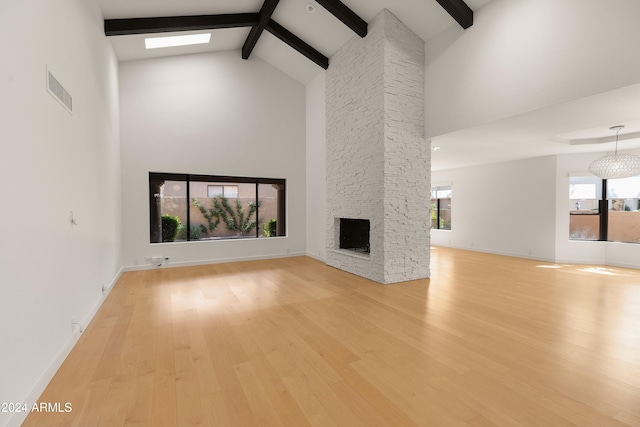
(311, 8)
(435, 148)
(158, 42)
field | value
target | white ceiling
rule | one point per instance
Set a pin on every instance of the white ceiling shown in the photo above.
(580, 126)
(568, 128)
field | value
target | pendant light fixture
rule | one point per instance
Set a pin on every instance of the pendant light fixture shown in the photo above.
(616, 165)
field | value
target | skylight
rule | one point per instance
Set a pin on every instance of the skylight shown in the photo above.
(158, 42)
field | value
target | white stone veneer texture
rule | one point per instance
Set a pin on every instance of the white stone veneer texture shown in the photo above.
(378, 163)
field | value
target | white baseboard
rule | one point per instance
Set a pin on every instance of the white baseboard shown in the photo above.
(211, 261)
(578, 261)
(18, 418)
(623, 265)
(317, 257)
(492, 252)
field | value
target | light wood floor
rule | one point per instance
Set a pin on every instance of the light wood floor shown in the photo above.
(488, 340)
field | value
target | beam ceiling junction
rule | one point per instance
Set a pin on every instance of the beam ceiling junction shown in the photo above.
(346, 15)
(298, 44)
(268, 7)
(459, 11)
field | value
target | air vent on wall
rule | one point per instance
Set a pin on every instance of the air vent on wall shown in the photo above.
(60, 93)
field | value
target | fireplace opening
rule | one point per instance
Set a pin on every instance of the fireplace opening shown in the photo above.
(354, 235)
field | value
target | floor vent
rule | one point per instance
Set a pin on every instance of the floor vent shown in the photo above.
(59, 92)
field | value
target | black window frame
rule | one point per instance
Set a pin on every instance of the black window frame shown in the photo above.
(155, 177)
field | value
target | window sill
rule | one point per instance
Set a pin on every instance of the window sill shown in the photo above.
(227, 239)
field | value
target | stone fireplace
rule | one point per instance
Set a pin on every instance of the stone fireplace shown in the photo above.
(378, 163)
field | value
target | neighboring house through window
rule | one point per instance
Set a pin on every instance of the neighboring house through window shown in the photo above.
(228, 191)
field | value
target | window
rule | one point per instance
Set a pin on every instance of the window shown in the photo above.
(585, 193)
(605, 210)
(185, 207)
(623, 202)
(167, 204)
(441, 207)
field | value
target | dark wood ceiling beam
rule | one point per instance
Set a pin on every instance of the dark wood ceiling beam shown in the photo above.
(346, 15)
(121, 27)
(268, 7)
(298, 44)
(459, 11)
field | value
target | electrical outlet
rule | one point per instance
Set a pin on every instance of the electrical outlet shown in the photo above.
(74, 323)
(104, 289)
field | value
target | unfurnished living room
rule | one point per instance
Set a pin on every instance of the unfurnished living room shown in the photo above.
(331, 212)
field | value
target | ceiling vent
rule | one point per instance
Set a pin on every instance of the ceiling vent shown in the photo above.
(58, 92)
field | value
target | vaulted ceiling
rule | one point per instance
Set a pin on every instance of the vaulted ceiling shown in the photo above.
(528, 135)
(323, 30)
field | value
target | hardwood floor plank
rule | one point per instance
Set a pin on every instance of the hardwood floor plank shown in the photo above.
(412, 400)
(225, 352)
(628, 419)
(299, 388)
(114, 408)
(189, 407)
(288, 410)
(91, 411)
(214, 409)
(139, 406)
(562, 405)
(163, 410)
(383, 405)
(264, 413)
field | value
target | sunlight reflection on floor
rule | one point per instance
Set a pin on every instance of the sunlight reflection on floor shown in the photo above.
(599, 270)
(596, 270)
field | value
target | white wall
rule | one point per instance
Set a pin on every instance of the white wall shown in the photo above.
(503, 208)
(522, 55)
(53, 163)
(316, 168)
(212, 114)
(572, 251)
